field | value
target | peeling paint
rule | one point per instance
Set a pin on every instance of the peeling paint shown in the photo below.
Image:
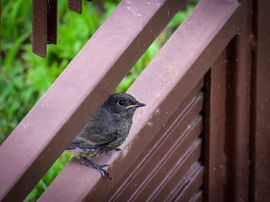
(157, 111)
(125, 150)
(25, 125)
(134, 10)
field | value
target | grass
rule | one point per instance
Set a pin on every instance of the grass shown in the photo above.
(24, 76)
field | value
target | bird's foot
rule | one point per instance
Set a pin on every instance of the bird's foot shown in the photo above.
(99, 168)
(118, 149)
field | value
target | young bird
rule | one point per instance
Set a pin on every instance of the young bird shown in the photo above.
(106, 130)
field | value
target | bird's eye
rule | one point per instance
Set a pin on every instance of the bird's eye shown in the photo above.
(121, 102)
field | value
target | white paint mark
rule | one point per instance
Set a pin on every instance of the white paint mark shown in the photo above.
(134, 10)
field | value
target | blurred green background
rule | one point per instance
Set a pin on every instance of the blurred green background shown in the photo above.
(24, 76)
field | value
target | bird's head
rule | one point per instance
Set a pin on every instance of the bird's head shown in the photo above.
(121, 103)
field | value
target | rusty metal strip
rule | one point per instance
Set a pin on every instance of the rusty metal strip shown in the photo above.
(215, 96)
(75, 5)
(39, 27)
(77, 94)
(52, 22)
(166, 81)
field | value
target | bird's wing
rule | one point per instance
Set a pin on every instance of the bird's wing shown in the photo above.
(76, 143)
(99, 139)
(98, 132)
(92, 141)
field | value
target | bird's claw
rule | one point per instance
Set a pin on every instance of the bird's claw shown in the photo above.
(118, 149)
(102, 171)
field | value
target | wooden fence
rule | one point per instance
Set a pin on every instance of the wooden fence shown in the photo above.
(182, 146)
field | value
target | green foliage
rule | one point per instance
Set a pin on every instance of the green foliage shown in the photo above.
(24, 76)
(48, 177)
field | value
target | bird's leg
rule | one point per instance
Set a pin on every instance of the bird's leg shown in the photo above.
(99, 168)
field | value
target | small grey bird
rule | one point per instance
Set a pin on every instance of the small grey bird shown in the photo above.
(106, 130)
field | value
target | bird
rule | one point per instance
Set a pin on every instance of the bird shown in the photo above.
(106, 130)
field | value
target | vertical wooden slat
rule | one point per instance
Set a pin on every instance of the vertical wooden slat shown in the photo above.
(75, 5)
(52, 22)
(238, 110)
(0, 24)
(215, 94)
(260, 116)
(39, 26)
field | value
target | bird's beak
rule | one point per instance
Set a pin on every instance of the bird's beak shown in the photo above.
(136, 105)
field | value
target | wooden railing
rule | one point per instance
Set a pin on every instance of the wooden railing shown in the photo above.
(180, 134)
